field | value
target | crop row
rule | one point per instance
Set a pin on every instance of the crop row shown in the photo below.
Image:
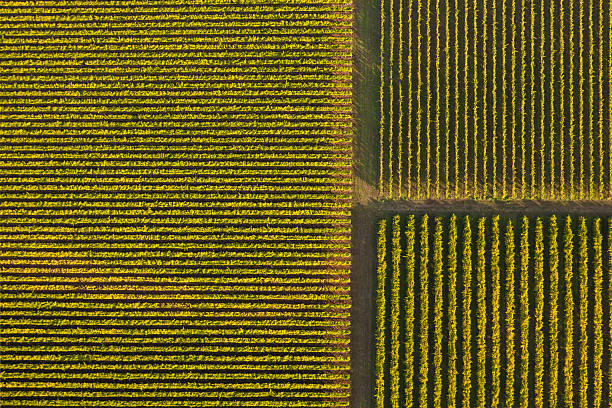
(307, 237)
(295, 152)
(132, 6)
(191, 231)
(229, 333)
(493, 312)
(175, 77)
(161, 402)
(325, 137)
(495, 100)
(153, 280)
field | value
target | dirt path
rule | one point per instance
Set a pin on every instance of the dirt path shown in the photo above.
(363, 294)
(514, 207)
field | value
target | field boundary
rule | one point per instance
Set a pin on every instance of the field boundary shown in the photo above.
(600, 208)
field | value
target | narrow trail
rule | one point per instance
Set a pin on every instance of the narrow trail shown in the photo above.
(514, 207)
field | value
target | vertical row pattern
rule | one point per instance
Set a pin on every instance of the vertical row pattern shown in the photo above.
(549, 108)
(508, 300)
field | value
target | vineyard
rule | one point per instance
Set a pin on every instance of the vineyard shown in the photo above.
(495, 99)
(174, 203)
(493, 311)
(190, 215)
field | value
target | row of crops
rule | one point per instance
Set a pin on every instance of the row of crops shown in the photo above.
(493, 311)
(495, 99)
(175, 191)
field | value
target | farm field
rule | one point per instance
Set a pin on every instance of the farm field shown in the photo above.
(305, 204)
(506, 99)
(175, 203)
(493, 311)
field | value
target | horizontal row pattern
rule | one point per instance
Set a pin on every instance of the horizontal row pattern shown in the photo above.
(174, 213)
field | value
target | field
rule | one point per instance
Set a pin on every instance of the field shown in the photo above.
(174, 204)
(493, 311)
(501, 99)
(248, 203)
